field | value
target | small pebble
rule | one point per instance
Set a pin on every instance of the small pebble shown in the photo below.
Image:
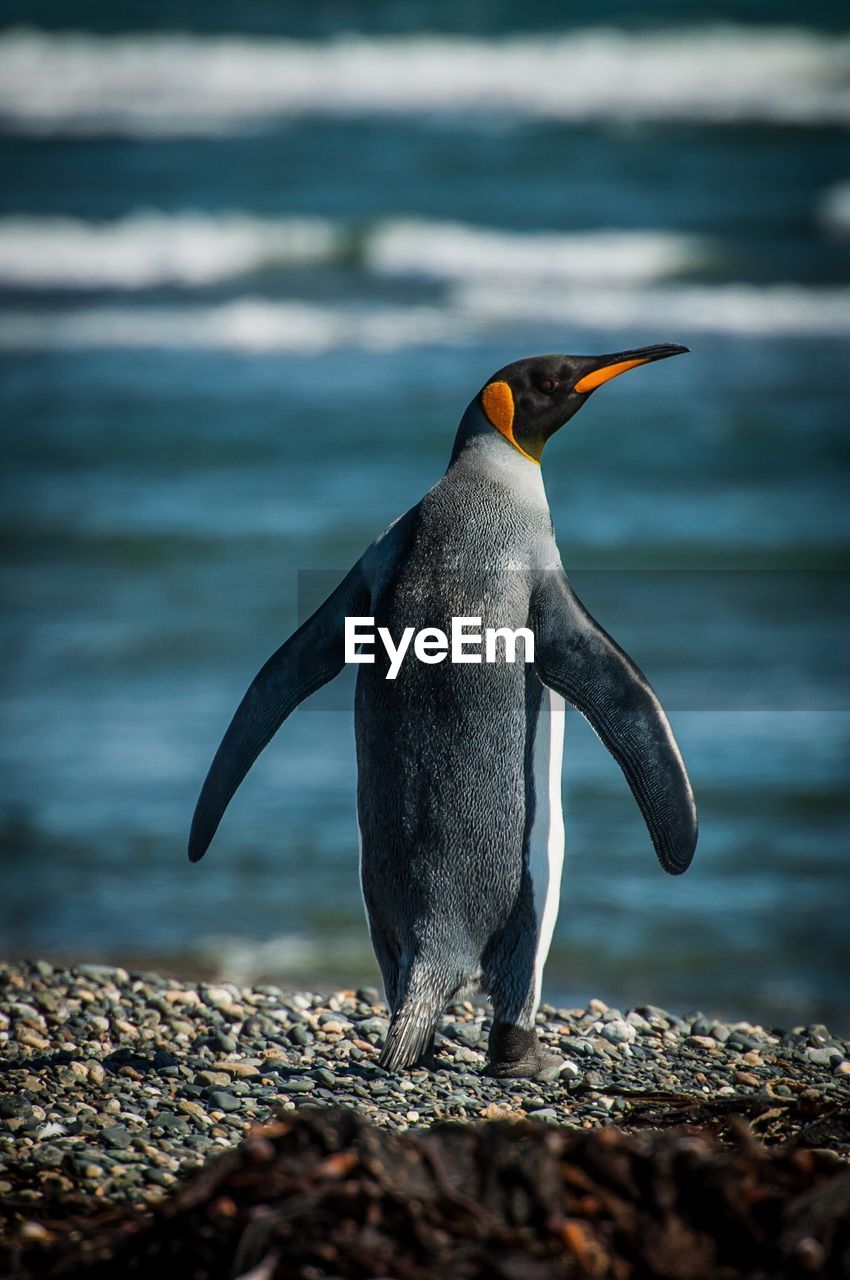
(824, 1057)
(212, 1078)
(117, 1135)
(299, 1084)
(618, 1031)
(372, 1027)
(221, 1100)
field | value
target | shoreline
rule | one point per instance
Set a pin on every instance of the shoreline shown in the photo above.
(116, 1084)
(213, 967)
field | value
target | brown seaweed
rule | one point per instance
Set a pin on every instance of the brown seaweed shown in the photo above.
(325, 1194)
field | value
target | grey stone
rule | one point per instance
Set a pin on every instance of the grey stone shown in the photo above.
(823, 1057)
(299, 1084)
(221, 1100)
(576, 1044)
(372, 1027)
(117, 1135)
(265, 990)
(617, 1031)
(548, 1074)
(330, 1016)
(612, 1015)
(257, 1025)
(738, 1041)
(15, 1108)
(96, 972)
(198, 1142)
(466, 1032)
(47, 1157)
(168, 1122)
(211, 1079)
(269, 1066)
(463, 1100)
(653, 1011)
(222, 1041)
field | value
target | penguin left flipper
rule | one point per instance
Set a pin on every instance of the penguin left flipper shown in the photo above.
(579, 660)
(311, 657)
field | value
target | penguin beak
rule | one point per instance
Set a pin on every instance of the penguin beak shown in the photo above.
(603, 368)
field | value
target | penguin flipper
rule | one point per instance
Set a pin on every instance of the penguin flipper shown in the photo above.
(312, 656)
(578, 659)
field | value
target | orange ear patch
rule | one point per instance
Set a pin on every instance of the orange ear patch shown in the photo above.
(498, 403)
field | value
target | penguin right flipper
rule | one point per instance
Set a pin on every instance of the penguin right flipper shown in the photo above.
(576, 658)
(311, 657)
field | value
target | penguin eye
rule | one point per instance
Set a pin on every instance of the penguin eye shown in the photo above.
(547, 386)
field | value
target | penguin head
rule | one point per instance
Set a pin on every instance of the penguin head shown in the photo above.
(529, 400)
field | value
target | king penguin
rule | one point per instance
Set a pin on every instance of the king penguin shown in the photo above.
(459, 763)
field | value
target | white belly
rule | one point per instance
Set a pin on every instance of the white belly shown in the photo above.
(546, 840)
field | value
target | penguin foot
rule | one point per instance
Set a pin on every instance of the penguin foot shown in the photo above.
(545, 1066)
(516, 1052)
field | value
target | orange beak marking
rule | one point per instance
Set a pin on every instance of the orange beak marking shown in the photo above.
(591, 381)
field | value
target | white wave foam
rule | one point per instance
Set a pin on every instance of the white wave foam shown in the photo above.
(452, 251)
(149, 249)
(165, 85)
(255, 325)
(834, 208)
(769, 310)
(193, 249)
(247, 324)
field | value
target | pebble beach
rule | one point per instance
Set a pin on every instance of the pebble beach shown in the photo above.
(115, 1084)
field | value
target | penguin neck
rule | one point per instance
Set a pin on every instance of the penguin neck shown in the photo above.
(478, 447)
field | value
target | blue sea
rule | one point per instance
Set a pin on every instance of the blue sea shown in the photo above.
(254, 262)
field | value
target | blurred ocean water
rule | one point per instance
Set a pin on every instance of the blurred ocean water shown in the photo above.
(252, 269)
